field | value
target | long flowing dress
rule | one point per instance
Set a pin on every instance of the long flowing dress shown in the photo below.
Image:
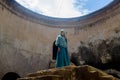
(62, 56)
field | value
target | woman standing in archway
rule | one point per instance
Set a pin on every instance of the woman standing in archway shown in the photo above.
(62, 54)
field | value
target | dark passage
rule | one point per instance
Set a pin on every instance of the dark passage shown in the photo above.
(10, 76)
(55, 48)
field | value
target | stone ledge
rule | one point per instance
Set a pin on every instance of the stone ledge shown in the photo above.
(70, 73)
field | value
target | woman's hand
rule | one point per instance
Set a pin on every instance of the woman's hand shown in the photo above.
(58, 49)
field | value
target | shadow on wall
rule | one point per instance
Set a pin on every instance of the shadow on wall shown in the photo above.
(10, 76)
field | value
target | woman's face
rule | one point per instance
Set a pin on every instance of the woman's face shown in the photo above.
(62, 33)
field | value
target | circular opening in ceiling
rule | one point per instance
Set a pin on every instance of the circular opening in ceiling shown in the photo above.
(64, 8)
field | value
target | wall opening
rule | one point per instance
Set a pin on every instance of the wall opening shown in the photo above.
(55, 48)
(10, 76)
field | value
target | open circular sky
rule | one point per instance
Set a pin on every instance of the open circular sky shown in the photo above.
(64, 8)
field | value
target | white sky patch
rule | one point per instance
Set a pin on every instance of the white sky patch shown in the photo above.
(55, 8)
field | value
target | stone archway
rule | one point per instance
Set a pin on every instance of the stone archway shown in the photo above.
(55, 48)
(10, 76)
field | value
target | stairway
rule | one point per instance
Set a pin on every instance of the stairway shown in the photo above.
(69, 73)
(52, 64)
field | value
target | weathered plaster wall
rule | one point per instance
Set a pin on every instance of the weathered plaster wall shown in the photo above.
(26, 46)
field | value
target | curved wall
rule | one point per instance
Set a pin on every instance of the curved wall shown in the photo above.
(26, 42)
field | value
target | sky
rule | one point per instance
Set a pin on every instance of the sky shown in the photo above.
(64, 8)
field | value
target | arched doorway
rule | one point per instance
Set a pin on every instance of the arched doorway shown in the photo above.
(10, 76)
(55, 48)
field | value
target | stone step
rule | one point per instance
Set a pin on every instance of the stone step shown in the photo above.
(52, 64)
(67, 74)
(52, 71)
(46, 77)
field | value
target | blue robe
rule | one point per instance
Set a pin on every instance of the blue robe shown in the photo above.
(62, 56)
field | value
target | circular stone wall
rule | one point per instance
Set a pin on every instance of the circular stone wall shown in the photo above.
(26, 38)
